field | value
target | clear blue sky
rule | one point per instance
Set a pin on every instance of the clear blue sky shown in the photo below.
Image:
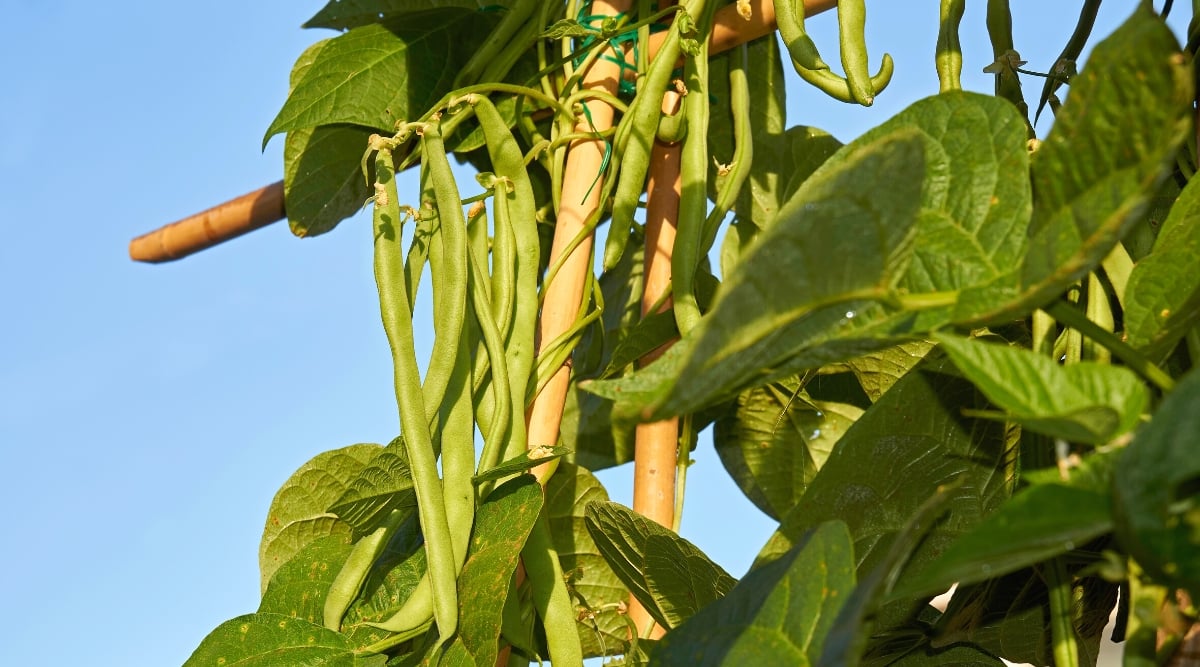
(148, 413)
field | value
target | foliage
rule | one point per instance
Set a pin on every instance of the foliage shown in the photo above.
(1022, 413)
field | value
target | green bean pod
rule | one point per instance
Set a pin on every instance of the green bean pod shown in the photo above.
(503, 282)
(743, 154)
(948, 58)
(508, 162)
(852, 24)
(449, 275)
(789, 15)
(396, 312)
(458, 453)
(498, 41)
(349, 580)
(415, 614)
(551, 598)
(1008, 83)
(635, 135)
(1070, 53)
(693, 200)
(498, 427)
(839, 88)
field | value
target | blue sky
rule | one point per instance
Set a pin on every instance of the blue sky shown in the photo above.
(148, 413)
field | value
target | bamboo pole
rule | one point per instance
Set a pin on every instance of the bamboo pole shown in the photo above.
(656, 443)
(216, 225)
(580, 198)
(199, 232)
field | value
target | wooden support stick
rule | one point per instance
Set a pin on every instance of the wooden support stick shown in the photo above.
(196, 233)
(656, 443)
(205, 230)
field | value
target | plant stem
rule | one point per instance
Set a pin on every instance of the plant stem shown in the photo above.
(1062, 629)
(1070, 316)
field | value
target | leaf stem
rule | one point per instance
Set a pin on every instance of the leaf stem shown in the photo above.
(1062, 630)
(1072, 317)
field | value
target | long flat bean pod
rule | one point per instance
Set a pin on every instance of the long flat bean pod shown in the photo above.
(948, 58)
(508, 162)
(449, 275)
(551, 598)
(397, 323)
(498, 428)
(693, 200)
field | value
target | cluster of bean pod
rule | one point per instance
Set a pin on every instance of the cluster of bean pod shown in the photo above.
(485, 365)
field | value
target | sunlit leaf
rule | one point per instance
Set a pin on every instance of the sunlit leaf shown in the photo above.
(670, 576)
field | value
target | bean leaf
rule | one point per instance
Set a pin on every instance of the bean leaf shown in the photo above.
(1085, 402)
(777, 615)
(299, 512)
(267, 640)
(1157, 487)
(1162, 300)
(670, 576)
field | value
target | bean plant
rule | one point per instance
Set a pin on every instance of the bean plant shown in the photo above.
(943, 354)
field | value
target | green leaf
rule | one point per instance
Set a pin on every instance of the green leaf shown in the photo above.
(378, 74)
(774, 441)
(323, 182)
(892, 459)
(777, 615)
(878, 371)
(834, 250)
(299, 587)
(1036, 524)
(502, 525)
(298, 512)
(1162, 300)
(847, 639)
(344, 14)
(1157, 488)
(1111, 145)
(595, 589)
(670, 576)
(385, 484)
(959, 656)
(1085, 402)
(269, 640)
(520, 463)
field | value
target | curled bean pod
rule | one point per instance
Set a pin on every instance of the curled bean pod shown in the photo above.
(839, 89)
(396, 312)
(789, 15)
(852, 23)
(349, 580)
(498, 428)
(948, 58)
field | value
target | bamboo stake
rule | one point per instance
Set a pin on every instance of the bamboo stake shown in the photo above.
(656, 443)
(580, 198)
(216, 225)
(198, 232)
